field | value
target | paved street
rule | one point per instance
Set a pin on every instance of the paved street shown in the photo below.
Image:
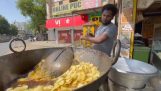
(4, 47)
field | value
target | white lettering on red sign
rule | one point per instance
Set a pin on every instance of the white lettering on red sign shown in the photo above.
(67, 21)
(57, 22)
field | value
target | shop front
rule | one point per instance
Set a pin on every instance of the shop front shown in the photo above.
(137, 28)
(65, 35)
(73, 15)
(60, 29)
(67, 29)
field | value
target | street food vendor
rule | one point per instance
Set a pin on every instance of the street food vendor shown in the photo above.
(106, 32)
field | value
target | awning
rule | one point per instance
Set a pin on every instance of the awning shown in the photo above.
(148, 8)
(87, 11)
(149, 5)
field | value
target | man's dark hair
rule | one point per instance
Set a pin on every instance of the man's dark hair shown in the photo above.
(110, 7)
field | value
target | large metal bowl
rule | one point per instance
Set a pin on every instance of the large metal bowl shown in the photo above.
(131, 73)
(155, 82)
(15, 65)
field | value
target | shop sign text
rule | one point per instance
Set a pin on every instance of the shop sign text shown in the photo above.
(66, 8)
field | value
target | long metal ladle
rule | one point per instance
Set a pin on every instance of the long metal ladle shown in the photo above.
(59, 62)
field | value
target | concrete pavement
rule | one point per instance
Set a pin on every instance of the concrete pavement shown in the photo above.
(44, 44)
(4, 47)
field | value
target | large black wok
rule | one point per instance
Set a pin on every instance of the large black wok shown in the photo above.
(15, 65)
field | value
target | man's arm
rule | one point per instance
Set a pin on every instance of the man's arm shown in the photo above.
(98, 39)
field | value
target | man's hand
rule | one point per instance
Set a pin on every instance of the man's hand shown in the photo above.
(96, 40)
(83, 37)
(90, 35)
(87, 36)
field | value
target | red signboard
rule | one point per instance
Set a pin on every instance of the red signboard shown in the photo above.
(66, 22)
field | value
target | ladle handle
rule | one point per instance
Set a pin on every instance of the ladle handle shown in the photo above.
(116, 51)
(60, 53)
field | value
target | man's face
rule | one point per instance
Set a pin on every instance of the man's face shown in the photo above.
(106, 17)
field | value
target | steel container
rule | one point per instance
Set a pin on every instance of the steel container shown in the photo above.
(131, 73)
